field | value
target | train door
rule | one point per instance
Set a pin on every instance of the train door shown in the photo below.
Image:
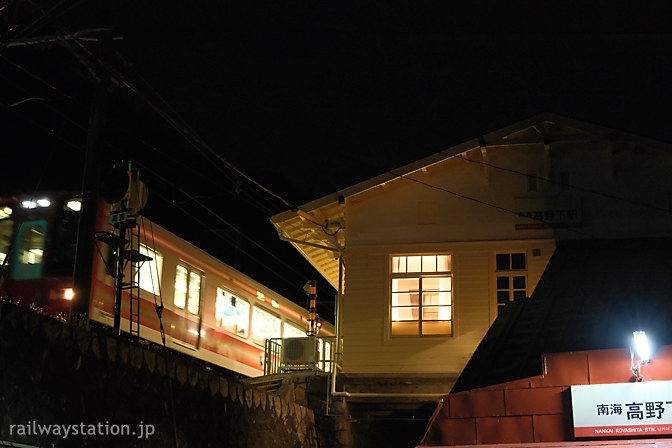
(187, 302)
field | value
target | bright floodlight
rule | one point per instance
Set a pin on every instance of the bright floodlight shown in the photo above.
(642, 346)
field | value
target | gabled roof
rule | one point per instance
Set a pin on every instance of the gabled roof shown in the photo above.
(592, 295)
(318, 246)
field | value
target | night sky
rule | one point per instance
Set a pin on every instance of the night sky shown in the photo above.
(306, 99)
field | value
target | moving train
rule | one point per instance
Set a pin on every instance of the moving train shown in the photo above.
(211, 311)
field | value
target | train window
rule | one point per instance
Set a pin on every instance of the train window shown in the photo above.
(232, 313)
(30, 242)
(149, 273)
(6, 227)
(264, 325)
(187, 289)
(290, 331)
(63, 244)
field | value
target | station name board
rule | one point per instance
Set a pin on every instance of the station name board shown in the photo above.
(622, 409)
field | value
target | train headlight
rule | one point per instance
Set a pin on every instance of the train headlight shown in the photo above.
(68, 294)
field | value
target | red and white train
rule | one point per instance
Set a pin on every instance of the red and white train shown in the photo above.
(212, 311)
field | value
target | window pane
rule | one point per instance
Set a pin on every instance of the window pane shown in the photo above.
(437, 327)
(405, 299)
(232, 313)
(443, 263)
(149, 274)
(435, 313)
(518, 261)
(290, 331)
(405, 328)
(519, 282)
(193, 302)
(398, 264)
(503, 262)
(404, 313)
(180, 287)
(264, 325)
(405, 284)
(436, 284)
(518, 294)
(429, 263)
(436, 298)
(6, 229)
(502, 282)
(414, 264)
(502, 297)
(32, 245)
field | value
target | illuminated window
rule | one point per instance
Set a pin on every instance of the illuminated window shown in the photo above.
(6, 228)
(511, 277)
(232, 313)
(29, 253)
(264, 325)
(421, 302)
(187, 289)
(290, 331)
(149, 273)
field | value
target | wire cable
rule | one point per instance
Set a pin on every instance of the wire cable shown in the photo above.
(487, 204)
(551, 181)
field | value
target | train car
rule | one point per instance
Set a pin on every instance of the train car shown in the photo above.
(210, 310)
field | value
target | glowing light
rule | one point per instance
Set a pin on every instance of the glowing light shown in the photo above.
(28, 204)
(275, 304)
(5, 212)
(68, 294)
(43, 202)
(75, 205)
(642, 346)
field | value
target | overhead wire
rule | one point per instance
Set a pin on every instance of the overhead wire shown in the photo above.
(195, 201)
(485, 203)
(567, 184)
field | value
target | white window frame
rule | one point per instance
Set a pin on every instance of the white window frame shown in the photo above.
(510, 274)
(401, 270)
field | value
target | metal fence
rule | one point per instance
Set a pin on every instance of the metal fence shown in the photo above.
(277, 361)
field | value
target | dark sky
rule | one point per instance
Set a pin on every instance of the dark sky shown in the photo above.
(307, 98)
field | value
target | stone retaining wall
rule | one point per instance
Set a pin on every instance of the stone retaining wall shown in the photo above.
(52, 373)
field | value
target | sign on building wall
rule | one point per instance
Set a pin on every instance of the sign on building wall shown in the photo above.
(548, 212)
(623, 409)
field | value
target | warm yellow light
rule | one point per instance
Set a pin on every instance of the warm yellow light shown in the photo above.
(5, 212)
(68, 294)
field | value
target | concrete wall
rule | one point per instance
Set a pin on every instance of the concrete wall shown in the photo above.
(53, 373)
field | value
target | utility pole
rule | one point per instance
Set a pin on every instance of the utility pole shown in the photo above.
(87, 219)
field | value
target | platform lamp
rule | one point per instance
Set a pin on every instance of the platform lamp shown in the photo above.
(643, 352)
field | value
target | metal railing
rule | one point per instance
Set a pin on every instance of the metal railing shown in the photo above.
(275, 362)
